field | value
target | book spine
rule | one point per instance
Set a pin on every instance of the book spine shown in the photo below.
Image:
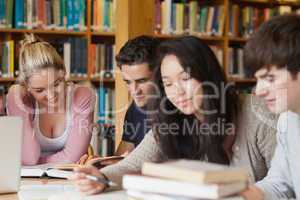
(76, 14)
(158, 16)
(2, 15)
(67, 58)
(19, 14)
(9, 13)
(82, 16)
(70, 13)
(84, 56)
(11, 58)
(5, 60)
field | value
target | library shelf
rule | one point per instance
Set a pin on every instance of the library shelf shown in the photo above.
(103, 33)
(203, 37)
(39, 31)
(241, 80)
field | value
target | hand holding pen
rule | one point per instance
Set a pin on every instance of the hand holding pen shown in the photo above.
(89, 180)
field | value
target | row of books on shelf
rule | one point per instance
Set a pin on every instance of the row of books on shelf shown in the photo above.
(103, 15)
(245, 20)
(103, 140)
(185, 179)
(74, 52)
(57, 14)
(177, 17)
(102, 60)
(105, 105)
(236, 66)
(43, 14)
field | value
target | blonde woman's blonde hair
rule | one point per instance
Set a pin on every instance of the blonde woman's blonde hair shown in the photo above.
(36, 54)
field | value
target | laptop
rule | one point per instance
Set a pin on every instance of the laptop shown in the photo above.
(10, 153)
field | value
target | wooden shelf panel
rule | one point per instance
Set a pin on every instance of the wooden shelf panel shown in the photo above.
(102, 80)
(284, 3)
(10, 79)
(241, 80)
(203, 37)
(254, 2)
(76, 79)
(268, 3)
(40, 31)
(108, 34)
(238, 39)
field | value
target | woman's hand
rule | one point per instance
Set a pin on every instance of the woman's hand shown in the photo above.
(85, 158)
(85, 185)
(252, 193)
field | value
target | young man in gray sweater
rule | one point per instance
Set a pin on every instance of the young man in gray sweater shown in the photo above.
(274, 54)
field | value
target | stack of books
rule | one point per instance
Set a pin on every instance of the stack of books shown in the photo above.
(186, 179)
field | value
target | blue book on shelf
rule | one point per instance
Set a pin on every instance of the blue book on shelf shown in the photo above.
(83, 55)
(19, 14)
(76, 14)
(101, 109)
(73, 55)
(2, 12)
(77, 56)
(173, 17)
(82, 17)
(215, 23)
(70, 11)
(106, 20)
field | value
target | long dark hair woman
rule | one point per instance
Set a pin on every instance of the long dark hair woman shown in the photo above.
(193, 98)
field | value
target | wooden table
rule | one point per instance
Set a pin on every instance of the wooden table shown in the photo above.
(117, 195)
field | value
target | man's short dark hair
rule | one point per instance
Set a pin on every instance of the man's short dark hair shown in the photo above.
(276, 43)
(138, 50)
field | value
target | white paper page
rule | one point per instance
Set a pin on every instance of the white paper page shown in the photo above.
(59, 173)
(116, 195)
(41, 192)
(31, 172)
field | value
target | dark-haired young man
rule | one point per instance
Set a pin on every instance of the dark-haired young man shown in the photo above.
(274, 53)
(136, 62)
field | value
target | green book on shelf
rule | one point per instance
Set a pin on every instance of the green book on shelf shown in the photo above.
(203, 19)
(9, 13)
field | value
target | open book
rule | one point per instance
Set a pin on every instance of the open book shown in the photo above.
(65, 170)
(48, 170)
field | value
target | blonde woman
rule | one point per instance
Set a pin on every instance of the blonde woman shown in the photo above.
(56, 116)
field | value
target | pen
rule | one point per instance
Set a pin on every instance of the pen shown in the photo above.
(101, 180)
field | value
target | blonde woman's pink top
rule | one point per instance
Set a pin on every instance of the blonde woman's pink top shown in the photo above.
(79, 130)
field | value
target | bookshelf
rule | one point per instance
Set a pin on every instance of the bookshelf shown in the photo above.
(132, 18)
(235, 14)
